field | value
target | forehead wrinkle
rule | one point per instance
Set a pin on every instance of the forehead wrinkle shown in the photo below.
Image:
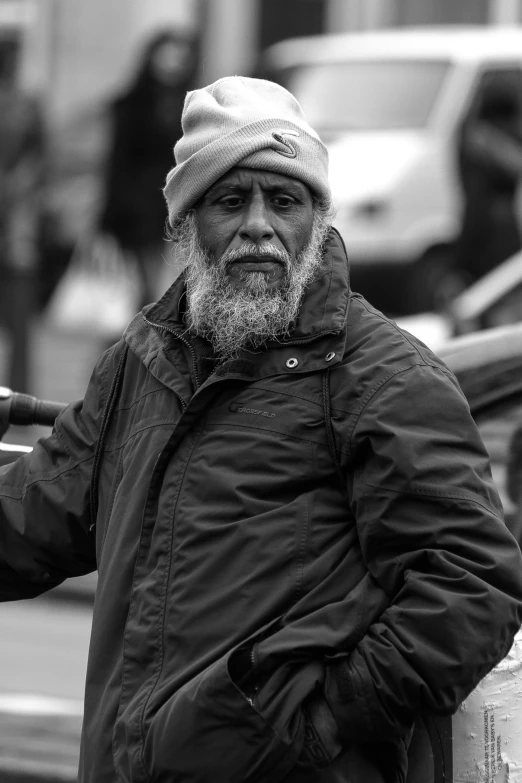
(243, 179)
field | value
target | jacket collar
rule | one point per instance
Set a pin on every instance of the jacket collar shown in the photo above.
(318, 333)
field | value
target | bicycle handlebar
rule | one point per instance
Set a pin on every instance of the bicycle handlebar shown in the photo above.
(25, 409)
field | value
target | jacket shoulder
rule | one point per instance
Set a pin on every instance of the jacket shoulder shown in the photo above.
(376, 349)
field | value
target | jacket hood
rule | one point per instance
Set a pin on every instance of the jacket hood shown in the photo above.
(323, 313)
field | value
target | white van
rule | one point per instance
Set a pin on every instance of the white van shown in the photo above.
(389, 105)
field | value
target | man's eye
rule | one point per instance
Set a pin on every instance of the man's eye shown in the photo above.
(231, 202)
(283, 202)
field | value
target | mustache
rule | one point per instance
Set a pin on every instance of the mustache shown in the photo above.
(250, 250)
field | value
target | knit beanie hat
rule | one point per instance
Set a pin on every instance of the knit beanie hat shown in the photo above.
(238, 121)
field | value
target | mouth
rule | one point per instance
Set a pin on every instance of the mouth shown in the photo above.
(267, 265)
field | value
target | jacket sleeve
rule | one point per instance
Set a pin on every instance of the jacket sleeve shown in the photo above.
(431, 531)
(44, 501)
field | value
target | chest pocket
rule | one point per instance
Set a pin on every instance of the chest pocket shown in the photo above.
(269, 409)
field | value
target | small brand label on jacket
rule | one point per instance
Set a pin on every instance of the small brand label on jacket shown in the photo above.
(240, 407)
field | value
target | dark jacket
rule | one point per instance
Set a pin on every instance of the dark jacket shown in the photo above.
(258, 608)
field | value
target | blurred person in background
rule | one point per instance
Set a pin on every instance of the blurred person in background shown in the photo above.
(490, 169)
(144, 122)
(292, 513)
(22, 176)
(514, 483)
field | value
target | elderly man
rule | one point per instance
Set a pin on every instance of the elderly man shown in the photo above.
(299, 544)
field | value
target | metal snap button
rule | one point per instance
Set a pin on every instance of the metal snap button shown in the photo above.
(291, 363)
(330, 356)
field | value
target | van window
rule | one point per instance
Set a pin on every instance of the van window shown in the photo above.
(368, 94)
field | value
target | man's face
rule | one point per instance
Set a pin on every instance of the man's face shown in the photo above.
(250, 207)
(251, 247)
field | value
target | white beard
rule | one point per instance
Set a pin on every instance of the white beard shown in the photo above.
(234, 318)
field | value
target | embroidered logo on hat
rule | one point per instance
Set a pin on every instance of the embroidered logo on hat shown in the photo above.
(279, 135)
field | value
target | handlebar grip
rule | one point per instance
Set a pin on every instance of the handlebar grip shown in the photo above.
(26, 409)
(47, 411)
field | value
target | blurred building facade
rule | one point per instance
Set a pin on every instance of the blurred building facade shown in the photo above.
(77, 55)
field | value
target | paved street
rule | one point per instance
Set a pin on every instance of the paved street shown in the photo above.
(43, 656)
(44, 648)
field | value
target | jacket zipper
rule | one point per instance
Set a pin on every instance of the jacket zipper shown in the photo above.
(167, 328)
(253, 665)
(186, 342)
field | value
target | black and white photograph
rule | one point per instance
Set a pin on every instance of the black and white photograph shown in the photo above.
(261, 391)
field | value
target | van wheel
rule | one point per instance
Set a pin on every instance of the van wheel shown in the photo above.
(435, 282)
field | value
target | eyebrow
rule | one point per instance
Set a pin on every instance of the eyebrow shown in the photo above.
(223, 186)
(233, 187)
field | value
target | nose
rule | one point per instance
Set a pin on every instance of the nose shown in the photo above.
(256, 226)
